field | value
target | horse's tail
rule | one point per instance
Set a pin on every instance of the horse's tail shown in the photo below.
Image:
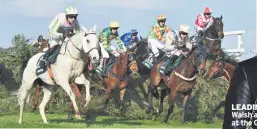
(23, 92)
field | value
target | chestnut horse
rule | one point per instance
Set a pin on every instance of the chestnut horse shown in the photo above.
(218, 69)
(118, 77)
(181, 80)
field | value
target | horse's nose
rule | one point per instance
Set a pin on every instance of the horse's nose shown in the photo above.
(222, 36)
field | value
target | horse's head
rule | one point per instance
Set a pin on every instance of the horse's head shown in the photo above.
(128, 59)
(217, 27)
(215, 70)
(90, 44)
(142, 48)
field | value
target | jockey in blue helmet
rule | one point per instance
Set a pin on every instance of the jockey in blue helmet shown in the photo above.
(129, 39)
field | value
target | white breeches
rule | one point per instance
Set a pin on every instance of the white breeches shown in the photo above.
(105, 54)
(154, 45)
(54, 41)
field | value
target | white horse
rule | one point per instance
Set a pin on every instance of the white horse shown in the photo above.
(69, 65)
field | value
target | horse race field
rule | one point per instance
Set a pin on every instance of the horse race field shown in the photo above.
(32, 120)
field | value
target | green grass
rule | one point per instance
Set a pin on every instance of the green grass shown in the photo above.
(32, 120)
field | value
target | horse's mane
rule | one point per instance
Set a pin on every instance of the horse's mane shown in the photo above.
(190, 55)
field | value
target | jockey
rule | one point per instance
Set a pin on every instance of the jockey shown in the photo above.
(41, 42)
(105, 38)
(203, 22)
(156, 39)
(67, 19)
(129, 39)
(180, 46)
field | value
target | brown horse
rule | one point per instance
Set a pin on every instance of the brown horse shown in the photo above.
(211, 42)
(181, 80)
(218, 69)
(213, 36)
(118, 77)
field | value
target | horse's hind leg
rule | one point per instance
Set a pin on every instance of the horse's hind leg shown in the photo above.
(186, 97)
(47, 95)
(22, 94)
(34, 106)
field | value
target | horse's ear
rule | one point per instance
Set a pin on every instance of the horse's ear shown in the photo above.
(84, 29)
(221, 17)
(94, 28)
(141, 38)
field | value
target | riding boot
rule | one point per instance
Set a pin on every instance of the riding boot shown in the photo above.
(44, 61)
(104, 67)
(149, 61)
(164, 65)
(199, 36)
(171, 62)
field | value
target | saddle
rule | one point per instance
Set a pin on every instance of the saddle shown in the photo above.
(51, 60)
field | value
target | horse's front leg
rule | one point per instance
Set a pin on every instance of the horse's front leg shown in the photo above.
(150, 101)
(107, 97)
(34, 106)
(163, 94)
(82, 80)
(122, 93)
(77, 93)
(186, 97)
(219, 53)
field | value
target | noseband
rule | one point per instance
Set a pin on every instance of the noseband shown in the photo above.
(216, 30)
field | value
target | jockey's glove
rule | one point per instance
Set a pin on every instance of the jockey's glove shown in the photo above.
(108, 49)
(185, 49)
(179, 47)
(163, 39)
(121, 46)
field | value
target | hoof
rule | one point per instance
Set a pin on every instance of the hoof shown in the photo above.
(70, 118)
(164, 121)
(106, 111)
(78, 117)
(88, 118)
(148, 110)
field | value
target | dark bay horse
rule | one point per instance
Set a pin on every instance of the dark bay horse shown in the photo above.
(181, 80)
(142, 52)
(211, 40)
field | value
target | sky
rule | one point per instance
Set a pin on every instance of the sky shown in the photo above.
(32, 17)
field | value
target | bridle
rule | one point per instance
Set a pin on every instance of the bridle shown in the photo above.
(82, 52)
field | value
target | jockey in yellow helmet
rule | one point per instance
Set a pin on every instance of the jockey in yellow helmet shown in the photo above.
(105, 37)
